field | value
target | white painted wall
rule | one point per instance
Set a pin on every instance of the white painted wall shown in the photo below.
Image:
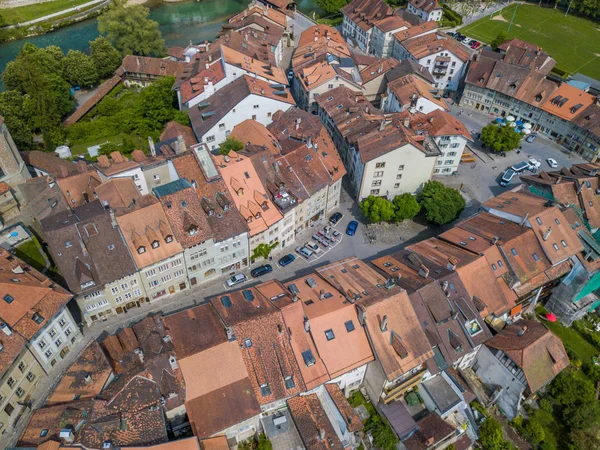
(361, 37)
(58, 333)
(424, 105)
(452, 148)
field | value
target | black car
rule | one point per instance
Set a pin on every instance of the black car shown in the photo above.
(335, 218)
(261, 270)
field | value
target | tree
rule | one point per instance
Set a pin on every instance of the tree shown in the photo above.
(580, 416)
(332, 6)
(377, 209)
(230, 143)
(79, 69)
(131, 31)
(569, 390)
(500, 138)
(264, 443)
(441, 204)
(106, 58)
(490, 435)
(535, 431)
(158, 101)
(263, 250)
(406, 206)
(498, 40)
(17, 110)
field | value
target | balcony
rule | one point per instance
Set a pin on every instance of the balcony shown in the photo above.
(396, 391)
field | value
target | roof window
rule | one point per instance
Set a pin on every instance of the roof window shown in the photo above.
(536, 257)
(513, 251)
(8, 299)
(226, 301)
(309, 358)
(37, 318)
(349, 326)
(329, 334)
(248, 295)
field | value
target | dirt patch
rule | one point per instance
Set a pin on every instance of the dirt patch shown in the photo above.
(499, 18)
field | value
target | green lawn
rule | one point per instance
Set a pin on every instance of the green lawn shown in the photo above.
(26, 13)
(571, 41)
(30, 253)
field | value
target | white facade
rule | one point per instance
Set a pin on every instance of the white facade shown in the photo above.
(434, 15)
(351, 381)
(392, 104)
(358, 35)
(165, 277)
(209, 89)
(446, 75)
(405, 169)
(213, 259)
(253, 106)
(452, 148)
(135, 174)
(307, 99)
(53, 341)
(382, 42)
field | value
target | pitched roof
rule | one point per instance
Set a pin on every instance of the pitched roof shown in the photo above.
(439, 123)
(152, 66)
(262, 10)
(85, 378)
(404, 88)
(79, 189)
(195, 85)
(207, 114)
(395, 335)
(432, 43)
(568, 102)
(351, 419)
(118, 192)
(365, 12)
(30, 299)
(12, 346)
(117, 163)
(174, 129)
(407, 67)
(190, 443)
(426, 5)
(272, 73)
(50, 163)
(535, 349)
(144, 224)
(312, 423)
(432, 429)
(88, 250)
(416, 30)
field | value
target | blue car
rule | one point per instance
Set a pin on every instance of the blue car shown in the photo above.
(351, 229)
(287, 260)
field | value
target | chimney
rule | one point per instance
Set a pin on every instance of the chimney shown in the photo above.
(522, 330)
(230, 334)
(5, 328)
(322, 434)
(180, 145)
(139, 353)
(321, 294)
(173, 362)
(298, 121)
(66, 434)
(524, 219)
(452, 263)
(423, 271)
(494, 240)
(87, 378)
(558, 180)
(430, 441)
(383, 324)
(207, 66)
(151, 146)
(406, 122)
(306, 325)
(445, 286)
(579, 188)
(382, 125)
(547, 233)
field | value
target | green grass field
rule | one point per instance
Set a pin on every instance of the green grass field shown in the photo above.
(21, 14)
(573, 42)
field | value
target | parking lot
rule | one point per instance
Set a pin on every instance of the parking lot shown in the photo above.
(482, 179)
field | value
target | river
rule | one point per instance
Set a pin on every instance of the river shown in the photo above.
(179, 23)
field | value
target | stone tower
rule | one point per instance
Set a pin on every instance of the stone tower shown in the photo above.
(12, 167)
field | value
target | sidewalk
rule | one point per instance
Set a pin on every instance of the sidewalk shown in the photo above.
(59, 13)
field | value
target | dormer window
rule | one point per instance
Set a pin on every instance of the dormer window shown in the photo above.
(225, 207)
(68, 244)
(240, 191)
(155, 244)
(141, 249)
(193, 231)
(37, 318)
(257, 215)
(169, 238)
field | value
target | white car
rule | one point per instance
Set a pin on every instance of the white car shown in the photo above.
(552, 162)
(535, 163)
(236, 279)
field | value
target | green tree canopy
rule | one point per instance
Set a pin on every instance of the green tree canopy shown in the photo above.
(500, 138)
(159, 100)
(131, 31)
(498, 40)
(106, 58)
(406, 206)
(79, 69)
(567, 389)
(17, 110)
(490, 435)
(230, 143)
(332, 6)
(535, 431)
(377, 209)
(441, 204)
(263, 250)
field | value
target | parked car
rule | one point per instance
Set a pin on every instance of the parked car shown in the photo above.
(535, 163)
(475, 45)
(335, 218)
(261, 270)
(236, 279)
(287, 260)
(507, 177)
(351, 228)
(530, 137)
(552, 162)
(452, 33)
(312, 245)
(307, 253)
(520, 167)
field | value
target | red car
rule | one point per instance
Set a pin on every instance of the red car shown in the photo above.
(475, 45)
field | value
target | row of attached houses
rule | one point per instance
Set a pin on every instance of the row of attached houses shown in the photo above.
(513, 82)
(416, 321)
(136, 230)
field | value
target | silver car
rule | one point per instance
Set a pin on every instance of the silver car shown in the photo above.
(236, 279)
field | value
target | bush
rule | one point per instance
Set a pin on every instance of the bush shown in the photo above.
(451, 16)
(499, 39)
(535, 431)
(379, 209)
(441, 204)
(546, 405)
(560, 72)
(490, 435)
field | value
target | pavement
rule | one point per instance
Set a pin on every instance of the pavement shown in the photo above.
(59, 13)
(300, 23)
(482, 179)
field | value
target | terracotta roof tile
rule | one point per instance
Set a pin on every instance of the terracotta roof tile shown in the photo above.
(79, 189)
(312, 423)
(118, 192)
(350, 417)
(364, 13)
(152, 66)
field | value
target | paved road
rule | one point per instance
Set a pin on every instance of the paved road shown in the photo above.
(483, 179)
(300, 22)
(59, 13)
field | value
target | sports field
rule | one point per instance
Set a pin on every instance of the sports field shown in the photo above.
(573, 42)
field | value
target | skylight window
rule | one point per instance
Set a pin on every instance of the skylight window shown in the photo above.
(329, 335)
(349, 326)
(8, 299)
(309, 358)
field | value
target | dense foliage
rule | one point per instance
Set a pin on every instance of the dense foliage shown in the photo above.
(587, 8)
(332, 6)
(130, 114)
(131, 31)
(79, 69)
(263, 250)
(106, 58)
(379, 209)
(500, 138)
(498, 40)
(229, 144)
(490, 435)
(441, 204)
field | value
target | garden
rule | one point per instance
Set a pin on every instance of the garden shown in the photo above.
(384, 437)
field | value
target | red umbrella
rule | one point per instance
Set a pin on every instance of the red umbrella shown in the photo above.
(550, 317)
